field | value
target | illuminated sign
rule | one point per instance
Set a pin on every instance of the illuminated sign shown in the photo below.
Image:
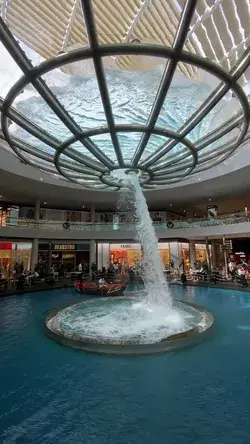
(65, 247)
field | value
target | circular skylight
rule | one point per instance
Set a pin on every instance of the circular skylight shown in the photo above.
(160, 110)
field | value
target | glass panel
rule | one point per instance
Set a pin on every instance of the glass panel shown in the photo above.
(24, 136)
(104, 142)
(132, 93)
(215, 146)
(9, 71)
(184, 97)
(227, 108)
(76, 169)
(129, 142)
(79, 149)
(177, 155)
(79, 94)
(155, 142)
(32, 106)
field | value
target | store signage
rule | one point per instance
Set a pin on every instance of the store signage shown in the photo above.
(5, 245)
(64, 247)
(125, 246)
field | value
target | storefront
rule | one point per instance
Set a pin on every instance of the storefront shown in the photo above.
(70, 255)
(127, 253)
(12, 253)
(173, 252)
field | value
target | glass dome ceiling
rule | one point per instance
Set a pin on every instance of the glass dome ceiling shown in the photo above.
(156, 89)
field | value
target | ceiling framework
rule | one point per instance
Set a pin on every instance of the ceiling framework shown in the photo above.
(219, 29)
(190, 41)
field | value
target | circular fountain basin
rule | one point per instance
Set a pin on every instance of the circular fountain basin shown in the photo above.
(126, 326)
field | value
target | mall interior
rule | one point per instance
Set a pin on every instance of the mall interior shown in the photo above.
(125, 221)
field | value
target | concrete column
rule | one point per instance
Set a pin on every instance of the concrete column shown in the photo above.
(34, 250)
(50, 256)
(92, 253)
(37, 209)
(34, 254)
(192, 253)
(215, 256)
(92, 214)
(208, 254)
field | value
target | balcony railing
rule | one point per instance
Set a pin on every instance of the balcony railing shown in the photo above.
(50, 225)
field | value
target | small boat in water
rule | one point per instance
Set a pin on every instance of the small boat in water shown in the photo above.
(113, 289)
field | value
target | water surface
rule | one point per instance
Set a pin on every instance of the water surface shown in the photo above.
(55, 395)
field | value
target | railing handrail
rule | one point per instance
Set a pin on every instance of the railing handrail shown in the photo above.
(228, 219)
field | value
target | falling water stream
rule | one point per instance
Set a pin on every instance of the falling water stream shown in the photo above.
(156, 288)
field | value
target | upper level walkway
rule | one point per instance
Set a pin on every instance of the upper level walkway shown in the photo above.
(227, 225)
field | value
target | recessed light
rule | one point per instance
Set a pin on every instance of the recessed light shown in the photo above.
(41, 178)
(199, 178)
(45, 203)
(210, 200)
(1, 196)
(184, 211)
(170, 205)
(83, 206)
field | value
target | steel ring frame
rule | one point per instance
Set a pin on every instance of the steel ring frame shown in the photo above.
(121, 49)
(129, 128)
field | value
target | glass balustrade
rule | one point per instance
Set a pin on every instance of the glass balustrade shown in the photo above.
(49, 225)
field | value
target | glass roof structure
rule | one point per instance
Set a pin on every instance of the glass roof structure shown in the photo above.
(156, 86)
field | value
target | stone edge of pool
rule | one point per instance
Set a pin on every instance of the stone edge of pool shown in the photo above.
(174, 342)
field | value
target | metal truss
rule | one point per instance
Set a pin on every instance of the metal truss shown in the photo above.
(154, 171)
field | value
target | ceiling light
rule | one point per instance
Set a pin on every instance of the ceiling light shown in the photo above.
(83, 206)
(41, 178)
(45, 203)
(170, 205)
(199, 178)
(210, 200)
(1, 196)
(184, 211)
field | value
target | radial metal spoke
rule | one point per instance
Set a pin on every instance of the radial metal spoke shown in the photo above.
(167, 77)
(100, 75)
(211, 137)
(45, 92)
(204, 109)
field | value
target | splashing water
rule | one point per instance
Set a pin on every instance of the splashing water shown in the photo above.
(156, 288)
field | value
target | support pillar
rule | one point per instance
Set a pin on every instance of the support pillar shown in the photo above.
(92, 214)
(208, 254)
(37, 209)
(92, 253)
(192, 253)
(214, 258)
(34, 250)
(50, 256)
(34, 254)
(225, 256)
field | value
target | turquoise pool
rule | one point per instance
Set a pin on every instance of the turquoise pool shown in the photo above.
(55, 395)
